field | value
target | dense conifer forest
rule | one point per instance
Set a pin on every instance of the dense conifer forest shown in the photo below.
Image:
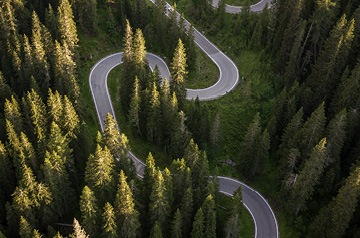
(58, 179)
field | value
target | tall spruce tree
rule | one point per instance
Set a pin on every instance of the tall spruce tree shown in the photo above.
(198, 225)
(109, 227)
(99, 174)
(179, 72)
(176, 225)
(67, 26)
(308, 177)
(88, 17)
(159, 206)
(333, 219)
(89, 211)
(127, 216)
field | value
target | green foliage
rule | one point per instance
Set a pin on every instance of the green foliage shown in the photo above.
(89, 211)
(179, 72)
(88, 18)
(99, 174)
(198, 225)
(109, 228)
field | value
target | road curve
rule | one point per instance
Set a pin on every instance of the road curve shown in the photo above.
(263, 216)
(257, 7)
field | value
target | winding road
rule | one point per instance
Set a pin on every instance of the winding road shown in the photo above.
(264, 219)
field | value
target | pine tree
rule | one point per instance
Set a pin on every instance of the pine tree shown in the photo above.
(153, 127)
(198, 225)
(67, 26)
(325, 72)
(312, 130)
(156, 231)
(347, 92)
(176, 226)
(71, 121)
(128, 43)
(159, 206)
(308, 177)
(6, 173)
(181, 178)
(65, 71)
(5, 90)
(13, 114)
(41, 65)
(179, 72)
(30, 196)
(58, 180)
(232, 225)
(99, 174)
(88, 18)
(169, 187)
(254, 148)
(209, 217)
(109, 228)
(134, 113)
(186, 209)
(333, 219)
(55, 107)
(127, 216)
(25, 229)
(36, 234)
(118, 145)
(78, 230)
(139, 51)
(50, 20)
(34, 113)
(89, 211)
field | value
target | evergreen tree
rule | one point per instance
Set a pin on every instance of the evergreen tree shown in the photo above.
(78, 230)
(88, 18)
(65, 71)
(254, 148)
(186, 209)
(333, 219)
(30, 196)
(127, 216)
(50, 20)
(6, 175)
(71, 121)
(347, 92)
(58, 180)
(109, 228)
(232, 225)
(134, 113)
(89, 211)
(179, 72)
(35, 110)
(41, 65)
(67, 26)
(139, 50)
(55, 107)
(328, 65)
(153, 127)
(25, 229)
(118, 145)
(169, 187)
(308, 177)
(128, 43)
(99, 174)
(159, 206)
(156, 231)
(312, 130)
(209, 217)
(13, 114)
(176, 226)
(198, 225)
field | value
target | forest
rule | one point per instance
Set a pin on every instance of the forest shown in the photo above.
(61, 177)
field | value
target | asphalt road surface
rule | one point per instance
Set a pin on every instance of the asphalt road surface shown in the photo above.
(264, 219)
